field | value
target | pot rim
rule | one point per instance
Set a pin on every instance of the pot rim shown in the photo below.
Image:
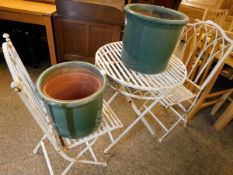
(184, 18)
(70, 103)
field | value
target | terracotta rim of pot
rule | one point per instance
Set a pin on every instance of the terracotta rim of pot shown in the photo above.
(69, 103)
(181, 18)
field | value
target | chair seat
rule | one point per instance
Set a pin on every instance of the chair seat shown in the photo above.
(109, 123)
(177, 96)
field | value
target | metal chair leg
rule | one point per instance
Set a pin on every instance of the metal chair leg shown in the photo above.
(88, 147)
(131, 126)
(38, 145)
(169, 130)
(138, 112)
(47, 158)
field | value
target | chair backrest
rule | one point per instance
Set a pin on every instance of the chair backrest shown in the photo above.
(25, 88)
(216, 15)
(203, 46)
(231, 10)
(230, 25)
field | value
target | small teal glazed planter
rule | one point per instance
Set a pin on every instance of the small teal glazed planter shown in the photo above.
(73, 96)
(150, 36)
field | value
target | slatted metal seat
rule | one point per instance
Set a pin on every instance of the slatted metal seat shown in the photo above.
(25, 88)
(180, 94)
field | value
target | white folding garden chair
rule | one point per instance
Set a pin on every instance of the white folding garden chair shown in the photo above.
(24, 87)
(203, 47)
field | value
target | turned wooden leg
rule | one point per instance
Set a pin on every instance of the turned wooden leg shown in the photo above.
(219, 105)
(50, 38)
(225, 118)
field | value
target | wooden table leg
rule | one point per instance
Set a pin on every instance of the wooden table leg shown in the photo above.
(225, 118)
(201, 100)
(50, 38)
(217, 106)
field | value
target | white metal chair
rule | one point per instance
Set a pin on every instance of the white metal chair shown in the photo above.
(203, 47)
(24, 87)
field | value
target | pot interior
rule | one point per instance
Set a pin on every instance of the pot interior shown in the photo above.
(156, 13)
(72, 86)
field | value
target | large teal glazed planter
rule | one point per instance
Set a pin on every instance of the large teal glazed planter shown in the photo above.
(150, 36)
(73, 96)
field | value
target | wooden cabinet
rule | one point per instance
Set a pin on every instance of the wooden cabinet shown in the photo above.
(195, 8)
(79, 40)
(83, 27)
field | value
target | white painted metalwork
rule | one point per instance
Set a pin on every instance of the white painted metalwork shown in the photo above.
(25, 88)
(148, 87)
(108, 58)
(203, 47)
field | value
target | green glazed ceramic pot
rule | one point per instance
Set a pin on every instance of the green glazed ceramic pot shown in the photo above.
(73, 95)
(150, 36)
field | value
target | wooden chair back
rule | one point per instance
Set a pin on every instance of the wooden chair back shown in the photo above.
(216, 15)
(230, 26)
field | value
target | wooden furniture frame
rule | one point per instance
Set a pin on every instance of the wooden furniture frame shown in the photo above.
(34, 13)
(227, 115)
(195, 8)
(216, 15)
(209, 98)
(45, 1)
(225, 118)
(228, 24)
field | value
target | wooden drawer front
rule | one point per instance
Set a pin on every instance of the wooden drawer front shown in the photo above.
(193, 13)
